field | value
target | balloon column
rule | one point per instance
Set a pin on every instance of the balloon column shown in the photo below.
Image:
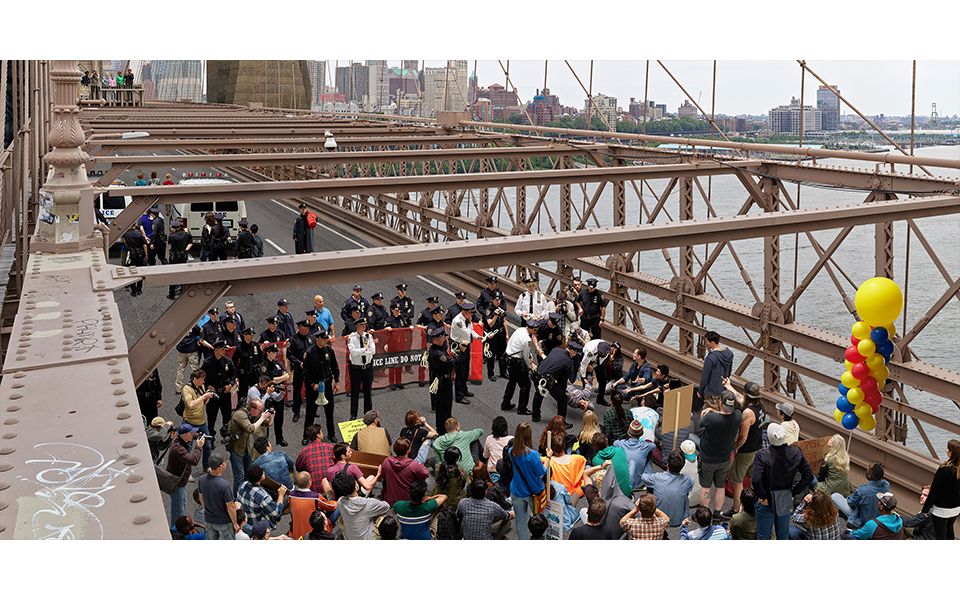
(878, 301)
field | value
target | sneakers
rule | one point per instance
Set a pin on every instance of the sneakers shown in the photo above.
(727, 514)
(720, 516)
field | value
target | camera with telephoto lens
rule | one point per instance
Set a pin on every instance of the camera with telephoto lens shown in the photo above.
(230, 437)
(279, 388)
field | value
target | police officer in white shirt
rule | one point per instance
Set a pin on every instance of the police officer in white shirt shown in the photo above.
(531, 304)
(594, 353)
(362, 347)
(519, 362)
(461, 334)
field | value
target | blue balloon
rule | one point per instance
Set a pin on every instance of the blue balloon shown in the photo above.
(845, 405)
(879, 335)
(850, 421)
(886, 358)
(843, 392)
(885, 348)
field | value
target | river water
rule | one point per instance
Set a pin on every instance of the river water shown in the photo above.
(821, 304)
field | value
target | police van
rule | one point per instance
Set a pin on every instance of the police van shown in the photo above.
(192, 214)
(111, 204)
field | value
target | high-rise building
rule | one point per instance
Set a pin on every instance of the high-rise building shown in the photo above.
(500, 99)
(636, 111)
(378, 86)
(545, 107)
(318, 80)
(688, 110)
(445, 88)
(829, 105)
(352, 82)
(606, 105)
(785, 118)
(178, 80)
(275, 83)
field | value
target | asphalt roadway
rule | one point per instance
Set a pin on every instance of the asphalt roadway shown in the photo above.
(275, 221)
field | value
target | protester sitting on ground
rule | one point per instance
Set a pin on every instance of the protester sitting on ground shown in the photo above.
(920, 525)
(186, 529)
(557, 428)
(495, 443)
(304, 502)
(671, 489)
(835, 468)
(667, 442)
(593, 527)
(861, 506)
(421, 435)
(785, 412)
(400, 471)
(689, 449)
(617, 458)
(568, 469)
(886, 526)
(373, 438)
(815, 518)
(638, 452)
(589, 427)
(652, 523)
(318, 528)
(256, 500)
(478, 515)
(462, 440)
(450, 479)
(261, 531)
(703, 516)
(615, 421)
(357, 515)
(342, 454)
(386, 528)
(276, 464)
(416, 512)
(242, 522)
(537, 526)
(743, 524)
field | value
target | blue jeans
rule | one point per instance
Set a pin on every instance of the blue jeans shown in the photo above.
(795, 533)
(178, 505)
(522, 508)
(220, 532)
(424, 450)
(239, 465)
(766, 520)
(841, 503)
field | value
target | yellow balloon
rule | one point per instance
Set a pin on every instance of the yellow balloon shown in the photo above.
(881, 383)
(868, 423)
(880, 374)
(879, 301)
(855, 395)
(875, 362)
(838, 414)
(863, 410)
(849, 380)
(849, 365)
(866, 348)
(860, 330)
(891, 329)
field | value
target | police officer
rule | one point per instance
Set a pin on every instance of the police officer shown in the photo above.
(397, 320)
(495, 327)
(519, 362)
(221, 376)
(149, 395)
(273, 334)
(312, 326)
(441, 368)
(229, 332)
(376, 313)
(299, 344)
(356, 300)
(485, 299)
(461, 335)
(436, 316)
(136, 244)
(595, 352)
(426, 318)
(549, 335)
(454, 310)
(180, 244)
(592, 307)
(555, 369)
(405, 303)
(273, 368)
(531, 304)
(158, 238)
(362, 347)
(320, 369)
(219, 239)
(245, 242)
(286, 324)
(210, 333)
(350, 324)
(247, 358)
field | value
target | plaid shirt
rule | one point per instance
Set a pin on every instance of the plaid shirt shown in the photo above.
(315, 458)
(830, 532)
(612, 426)
(646, 529)
(258, 504)
(478, 517)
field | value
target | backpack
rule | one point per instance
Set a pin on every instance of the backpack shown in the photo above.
(505, 468)
(448, 524)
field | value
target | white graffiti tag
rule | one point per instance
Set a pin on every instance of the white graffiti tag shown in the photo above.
(70, 489)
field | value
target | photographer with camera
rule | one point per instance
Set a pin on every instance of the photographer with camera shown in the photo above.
(194, 403)
(244, 423)
(273, 369)
(180, 462)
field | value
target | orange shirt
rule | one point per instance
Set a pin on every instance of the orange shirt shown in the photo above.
(570, 474)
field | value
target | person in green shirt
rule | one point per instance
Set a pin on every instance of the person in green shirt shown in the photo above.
(416, 513)
(617, 457)
(462, 440)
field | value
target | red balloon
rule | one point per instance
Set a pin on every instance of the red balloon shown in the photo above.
(854, 340)
(861, 371)
(873, 398)
(875, 409)
(867, 384)
(853, 355)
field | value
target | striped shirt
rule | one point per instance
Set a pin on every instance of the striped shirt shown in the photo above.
(415, 518)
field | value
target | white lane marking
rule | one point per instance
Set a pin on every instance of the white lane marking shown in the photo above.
(358, 245)
(269, 241)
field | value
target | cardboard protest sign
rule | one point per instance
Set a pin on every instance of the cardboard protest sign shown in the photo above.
(348, 429)
(677, 406)
(813, 450)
